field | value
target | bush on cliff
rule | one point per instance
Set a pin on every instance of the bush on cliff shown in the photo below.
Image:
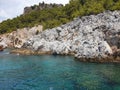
(56, 16)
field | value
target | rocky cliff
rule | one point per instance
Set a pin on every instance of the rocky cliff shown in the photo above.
(86, 37)
(94, 37)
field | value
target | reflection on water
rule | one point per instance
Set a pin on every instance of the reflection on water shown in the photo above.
(55, 73)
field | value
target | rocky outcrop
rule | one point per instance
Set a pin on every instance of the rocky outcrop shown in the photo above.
(17, 38)
(87, 37)
(39, 7)
(2, 46)
(94, 38)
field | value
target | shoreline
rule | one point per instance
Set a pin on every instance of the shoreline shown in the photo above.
(24, 51)
(110, 59)
(89, 39)
(107, 59)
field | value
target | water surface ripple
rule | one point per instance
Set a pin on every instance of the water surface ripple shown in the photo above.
(55, 73)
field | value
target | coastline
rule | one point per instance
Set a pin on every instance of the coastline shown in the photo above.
(107, 59)
(110, 59)
(23, 51)
(96, 39)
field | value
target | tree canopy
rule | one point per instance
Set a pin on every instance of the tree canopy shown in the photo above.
(56, 16)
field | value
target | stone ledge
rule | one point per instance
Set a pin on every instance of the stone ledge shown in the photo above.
(110, 59)
(32, 52)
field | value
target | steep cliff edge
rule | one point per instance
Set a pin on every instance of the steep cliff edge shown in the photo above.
(94, 36)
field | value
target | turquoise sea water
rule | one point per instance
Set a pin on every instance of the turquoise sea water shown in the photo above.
(55, 73)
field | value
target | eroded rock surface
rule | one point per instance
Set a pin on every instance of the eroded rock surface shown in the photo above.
(88, 36)
(17, 38)
(94, 36)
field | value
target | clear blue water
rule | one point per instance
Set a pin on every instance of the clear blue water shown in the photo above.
(55, 73)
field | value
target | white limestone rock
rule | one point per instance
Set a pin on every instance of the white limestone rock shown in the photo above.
(88, 36)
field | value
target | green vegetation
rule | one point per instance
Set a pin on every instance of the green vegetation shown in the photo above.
(50, 18)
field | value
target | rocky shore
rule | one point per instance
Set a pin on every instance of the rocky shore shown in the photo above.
(94, 38)
(29, 52)
(17, 38)
(115, 58)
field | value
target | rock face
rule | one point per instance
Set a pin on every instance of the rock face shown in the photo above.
(86, 37)
(94, 37)
(2, 46)
(18, 38)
